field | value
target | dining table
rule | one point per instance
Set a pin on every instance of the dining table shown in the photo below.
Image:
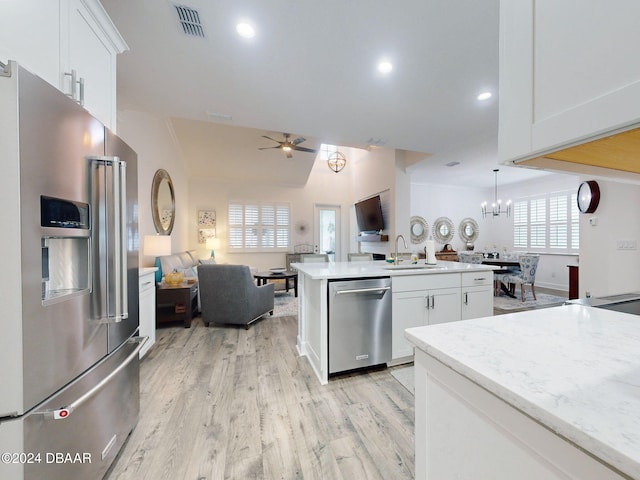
(505, 267)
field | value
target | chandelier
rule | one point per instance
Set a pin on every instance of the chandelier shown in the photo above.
(337, 161)
(497, 208)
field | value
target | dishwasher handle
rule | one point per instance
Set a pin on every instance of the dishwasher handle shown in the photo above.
(363, 290)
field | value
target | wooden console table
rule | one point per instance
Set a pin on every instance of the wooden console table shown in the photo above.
(176, 303)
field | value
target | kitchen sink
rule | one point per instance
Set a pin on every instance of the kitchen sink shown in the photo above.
(418, 266)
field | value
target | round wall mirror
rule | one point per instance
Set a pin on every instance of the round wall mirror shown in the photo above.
(419, 229)
(443, 230)
(468, 230)
(163, 207)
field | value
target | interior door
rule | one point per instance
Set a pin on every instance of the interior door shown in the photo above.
(327, 231)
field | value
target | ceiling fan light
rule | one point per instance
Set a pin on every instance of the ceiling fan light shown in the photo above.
(286, 148)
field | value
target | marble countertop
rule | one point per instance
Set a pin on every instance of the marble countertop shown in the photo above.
(574, 369)
(379, 268)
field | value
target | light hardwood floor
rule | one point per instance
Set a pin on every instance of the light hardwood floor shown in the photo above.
(228, 403)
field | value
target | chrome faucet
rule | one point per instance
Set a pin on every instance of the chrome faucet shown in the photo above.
(395, 258)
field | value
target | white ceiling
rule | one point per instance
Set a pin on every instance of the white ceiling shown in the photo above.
(311, 71)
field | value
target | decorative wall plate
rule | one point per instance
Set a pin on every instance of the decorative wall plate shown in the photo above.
(468, 230)
(419, 229)
(443, 230)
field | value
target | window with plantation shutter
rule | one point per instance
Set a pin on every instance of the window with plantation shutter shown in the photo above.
(547, 223)
(521, 224)
(258, 226)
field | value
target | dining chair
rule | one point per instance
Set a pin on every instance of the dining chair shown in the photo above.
(314, 258)
(527, 275)
(360, 257)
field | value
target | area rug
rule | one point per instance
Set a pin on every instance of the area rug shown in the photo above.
(405, 375)
(544, 300)
(285, 305)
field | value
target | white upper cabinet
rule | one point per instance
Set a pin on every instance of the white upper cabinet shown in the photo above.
(569, 71)
(54, 38)
(88, 46)
(29, 34)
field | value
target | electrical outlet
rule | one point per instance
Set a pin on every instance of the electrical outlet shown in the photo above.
(626, 245)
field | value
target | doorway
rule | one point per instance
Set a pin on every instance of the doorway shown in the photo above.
(326, 236)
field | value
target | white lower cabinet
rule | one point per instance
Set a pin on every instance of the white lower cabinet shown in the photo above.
(419, 301)
(147, 296)
(477, 295)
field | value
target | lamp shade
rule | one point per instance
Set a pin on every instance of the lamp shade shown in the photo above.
(157, 245)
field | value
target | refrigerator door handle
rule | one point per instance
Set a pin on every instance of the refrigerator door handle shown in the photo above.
(109, 238)
(64, 412)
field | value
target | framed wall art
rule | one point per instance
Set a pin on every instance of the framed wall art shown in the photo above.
(206, 225)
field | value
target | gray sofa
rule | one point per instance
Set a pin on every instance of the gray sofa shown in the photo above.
(228, 295)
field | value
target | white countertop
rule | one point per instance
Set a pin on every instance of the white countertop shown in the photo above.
(146, 270)
(574, 369)
(381, 268)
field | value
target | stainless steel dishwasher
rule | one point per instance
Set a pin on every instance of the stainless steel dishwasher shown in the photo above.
(359, 323)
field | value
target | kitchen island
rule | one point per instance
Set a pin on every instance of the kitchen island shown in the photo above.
(552, 393)
(422, 295)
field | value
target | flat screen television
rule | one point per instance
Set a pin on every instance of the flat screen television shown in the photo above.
(369, 215)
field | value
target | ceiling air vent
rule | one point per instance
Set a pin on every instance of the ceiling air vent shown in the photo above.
(190, 21)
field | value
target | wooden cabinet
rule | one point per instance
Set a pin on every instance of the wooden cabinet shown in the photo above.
(147, 307)
(477, 295)
(565, 73)
(176, 303)
(419, 301)
(53, 38)
(449, 256)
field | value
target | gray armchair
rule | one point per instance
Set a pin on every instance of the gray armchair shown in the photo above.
(229, 295)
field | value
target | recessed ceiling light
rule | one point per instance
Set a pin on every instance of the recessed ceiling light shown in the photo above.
(484, 96)
(245, 30)
(385, 66)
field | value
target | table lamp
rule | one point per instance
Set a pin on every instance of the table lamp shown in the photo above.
(157, 246)
(212, 244)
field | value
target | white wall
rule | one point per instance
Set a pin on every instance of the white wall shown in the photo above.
(605, 270)
(552, 269)
(432, 201)
(153, 141)
(323, 187)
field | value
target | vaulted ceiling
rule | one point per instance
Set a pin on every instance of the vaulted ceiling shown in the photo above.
(311, 71)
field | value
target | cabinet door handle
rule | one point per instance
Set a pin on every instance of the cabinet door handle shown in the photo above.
(81, 99)
(466, 298)
(433, 302)
(479, 279)
(428, 306)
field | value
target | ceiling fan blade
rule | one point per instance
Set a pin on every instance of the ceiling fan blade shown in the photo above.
(289, 155)
(272, 139)
(303, 149)
(298, 140)
(268, 148)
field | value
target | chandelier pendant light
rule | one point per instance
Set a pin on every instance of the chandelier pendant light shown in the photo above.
(497, 208)
(337, 161)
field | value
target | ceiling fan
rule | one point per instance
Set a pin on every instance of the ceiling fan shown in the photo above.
(289, 145)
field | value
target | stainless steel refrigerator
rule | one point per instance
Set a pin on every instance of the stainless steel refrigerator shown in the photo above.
(69, 376)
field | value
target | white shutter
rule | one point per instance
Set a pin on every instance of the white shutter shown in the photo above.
(558, 217)
(282, 226)
(235, 226)
(520, 224)
(258, 226)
